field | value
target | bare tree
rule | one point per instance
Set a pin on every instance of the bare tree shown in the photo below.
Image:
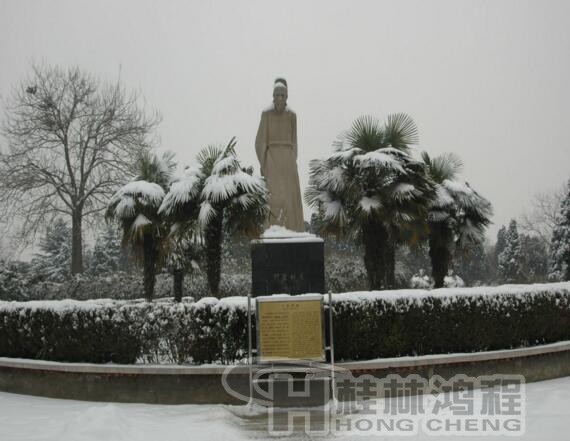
(543, 215)
(71, 141)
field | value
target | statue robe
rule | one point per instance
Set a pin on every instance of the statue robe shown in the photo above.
(276, 148)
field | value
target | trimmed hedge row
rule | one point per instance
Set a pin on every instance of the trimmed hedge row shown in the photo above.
(451, 320)
(367, 325)
(102, 331)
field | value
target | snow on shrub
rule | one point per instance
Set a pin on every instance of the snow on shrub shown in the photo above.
(101, 331)
(345, 274)
(453, 281)
(367, 325)
(422, 281)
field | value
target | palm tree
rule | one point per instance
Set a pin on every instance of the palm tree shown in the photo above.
(216, 198)
(135, 206)
(373, 190)
(182, 260)
(457, 213)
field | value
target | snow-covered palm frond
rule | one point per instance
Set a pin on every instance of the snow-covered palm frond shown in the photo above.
(250, 184)
(318, 167)
(437, 216)
(146, 193)
(225, 165)
(464, 196)
(399, 218)
(345, 155)
(380, 160)
(184, 189)
(314, 196)
(389, 150)
(324, 196)
(219, 188)
(442, 199)
(125, 207)
(368, 204)
(245, 201)
(139, 224)
(332, 209)
(457, 188)
(404, 191)
(206, 214)
(330, 178)
(468, 231)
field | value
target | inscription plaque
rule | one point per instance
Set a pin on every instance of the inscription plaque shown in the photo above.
(290, 328)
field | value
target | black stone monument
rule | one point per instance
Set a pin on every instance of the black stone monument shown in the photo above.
(287, 265)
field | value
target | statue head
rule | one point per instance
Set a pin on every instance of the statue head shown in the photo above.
(280, 94)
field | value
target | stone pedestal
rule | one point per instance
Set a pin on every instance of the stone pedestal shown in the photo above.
(287, 265)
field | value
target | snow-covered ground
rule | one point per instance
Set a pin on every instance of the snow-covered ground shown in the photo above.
(24, 418)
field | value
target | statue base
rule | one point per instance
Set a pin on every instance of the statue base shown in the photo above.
(287, 264)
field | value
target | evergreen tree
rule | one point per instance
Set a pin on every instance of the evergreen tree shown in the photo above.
(473, 264)
(106, 255)
(560, 245)
(11, 281)
(494, 254)
(501, 241)
(535, 258)
(54, 262)
(511, 259)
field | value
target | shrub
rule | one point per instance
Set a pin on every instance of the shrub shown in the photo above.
(423, 281)
(345, 273)
(101, 331)
(118, 286)
(12, 282)
(68, 331)
(416, 322)
(367, 325)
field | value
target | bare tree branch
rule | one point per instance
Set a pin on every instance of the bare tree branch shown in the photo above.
(541, 219)
(70, 141)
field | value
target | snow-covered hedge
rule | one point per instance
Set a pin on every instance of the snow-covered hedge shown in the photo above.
(101, 331)
(416, 322)
(367, 325)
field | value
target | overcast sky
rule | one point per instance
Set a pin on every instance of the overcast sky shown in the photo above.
(488, 80)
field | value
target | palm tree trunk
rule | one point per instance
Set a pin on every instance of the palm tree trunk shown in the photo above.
(375, 238)
(178, 285)
(390, 260)
(214, 253)
(149, 266)
(440, 243)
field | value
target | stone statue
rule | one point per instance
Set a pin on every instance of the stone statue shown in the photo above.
(276, 148)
